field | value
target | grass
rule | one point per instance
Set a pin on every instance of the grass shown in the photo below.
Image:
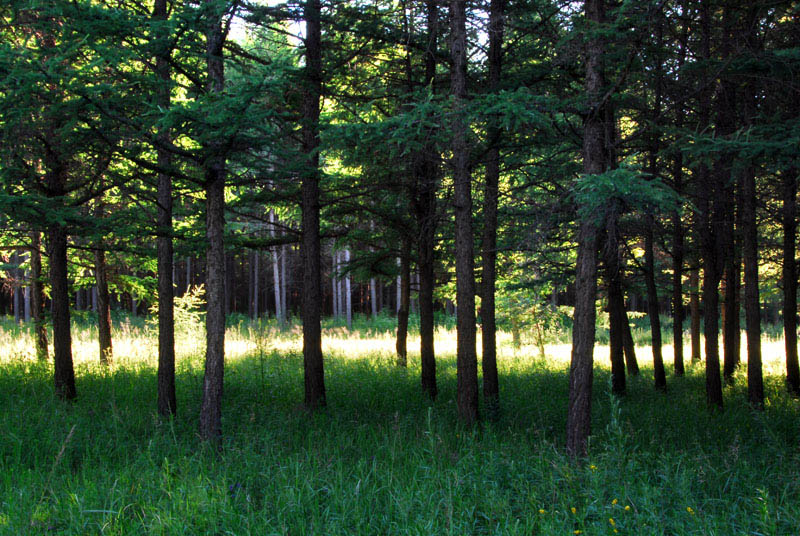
(381, 459)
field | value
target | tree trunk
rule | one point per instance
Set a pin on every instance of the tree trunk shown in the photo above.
(314, 376)
(677, 273)
(335, 284)
(755, 381)
(37, 297)
(405, 296)
(276, 272)
(630, 348)
(103, 307)
(467, 360)
(167, 402)
(491, 387)
(64, 375)
(709, 223)
(211, 406)
(616, 300)
(790, 280)
(348, 294)
(581, 374)
(653, 307)
(694, 310)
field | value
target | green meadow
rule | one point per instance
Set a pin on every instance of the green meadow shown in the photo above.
(381, 458)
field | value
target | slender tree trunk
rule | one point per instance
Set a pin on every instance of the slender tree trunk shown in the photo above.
(653, 307)
(59, 293)
(694, 308)
(335, 283)
(630, 348)
(616, 300)
(276, 272)
(17, 288)
(491, 387)
(677, 273)
(103, 307)
(403, 302)
(581, 374)
(167, 401)
(789, 180)
(211, 406)
(37, 297)
(256, 286)
(755, 381)
(314, 374)
(348, 294)
(709, 222)
(467, 360)
(26, 296)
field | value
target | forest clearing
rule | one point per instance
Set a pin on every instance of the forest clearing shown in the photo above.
(382, 458)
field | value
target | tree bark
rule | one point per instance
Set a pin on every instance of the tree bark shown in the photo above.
(167, 401)
(276, 272)
(211, 406)
(581, 374)
(755, 381)
(37, 297)
(789, 180)
(659, 373)
(405, 297)
(64, 375)
(348, 293)
(694, 308)
(630, 349)
(616, 300)
(103, 307)
(426, 219)
(466, 354)
(677, 273)
(491, 386)
(314, 376)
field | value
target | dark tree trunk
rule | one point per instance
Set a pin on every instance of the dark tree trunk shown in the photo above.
(755, 381)
(426, 219)
(710, 227)
(627, 341)
(694, 308)
(211, 406)
(405, 298)
(581, 372)
(59, 292)
(103, 307)
(616, 343)
(314, 375)
(677, 273)
(616, 299)
(167, 402)
(491, 387)
(790, 279)
(37, 297)
(653, 307)
(467, 359)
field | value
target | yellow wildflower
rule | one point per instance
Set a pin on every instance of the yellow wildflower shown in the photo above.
(611, 520)
(593, 467)
(690, 510)
(541, 510)
(614, 501)
(577, 531)
(627, 508)
(573, 509)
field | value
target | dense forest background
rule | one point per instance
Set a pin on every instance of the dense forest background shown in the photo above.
(505, 162)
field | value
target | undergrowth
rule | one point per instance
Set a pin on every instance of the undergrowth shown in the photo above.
(381, 459)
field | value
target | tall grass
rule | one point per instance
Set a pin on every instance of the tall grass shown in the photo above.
(381, 459)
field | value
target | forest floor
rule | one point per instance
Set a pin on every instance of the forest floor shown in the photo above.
(381, 459)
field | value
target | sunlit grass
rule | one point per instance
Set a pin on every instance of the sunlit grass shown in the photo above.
(381, 459)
